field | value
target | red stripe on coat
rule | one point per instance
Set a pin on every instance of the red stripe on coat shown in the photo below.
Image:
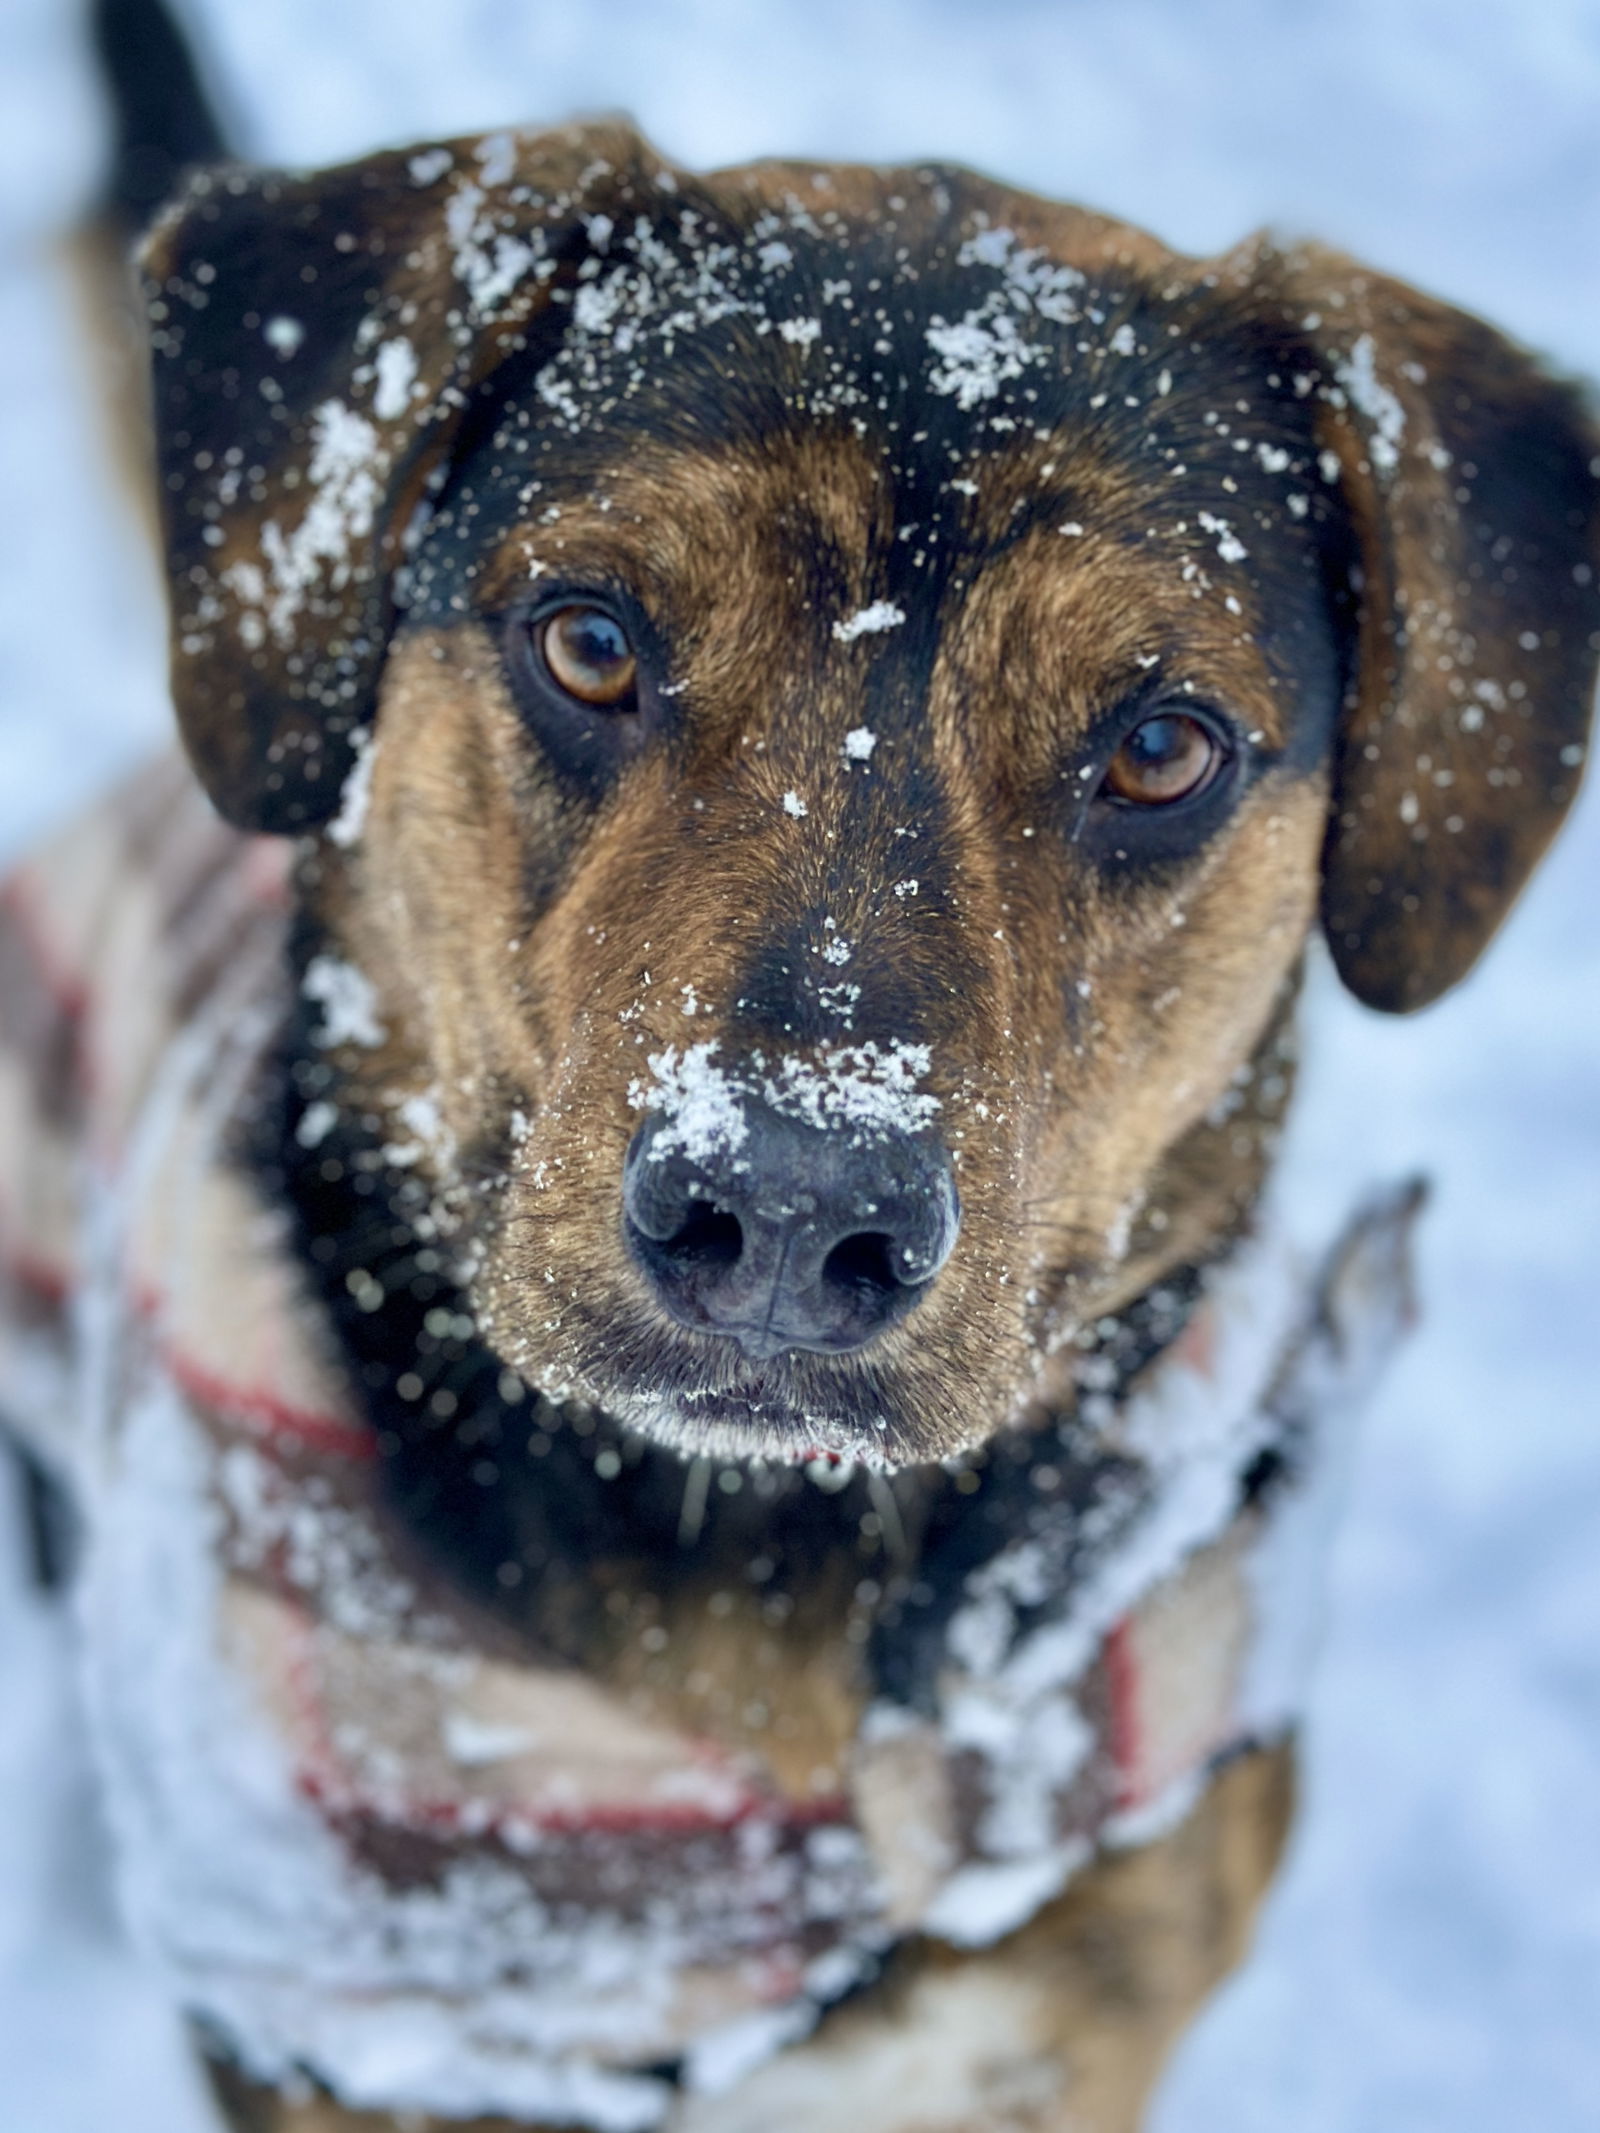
(1125, 1727)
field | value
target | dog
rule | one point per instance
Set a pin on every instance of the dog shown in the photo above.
(818, 709)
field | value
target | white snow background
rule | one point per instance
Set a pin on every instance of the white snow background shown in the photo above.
(1430, 1962)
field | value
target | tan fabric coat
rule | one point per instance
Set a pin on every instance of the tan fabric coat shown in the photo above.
(444, 1879)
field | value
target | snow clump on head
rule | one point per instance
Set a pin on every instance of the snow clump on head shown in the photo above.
(346, 476)
(978, 355)
(355, 798)
(869, 621)
(348, 999)
(702, 1106)
(866, 1090)
(987, 348)
(1229, 546)
(1372, 398)
(395, 366)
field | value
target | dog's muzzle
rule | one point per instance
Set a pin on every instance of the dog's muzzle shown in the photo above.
(801, 1238)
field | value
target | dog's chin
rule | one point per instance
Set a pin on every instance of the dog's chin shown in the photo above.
(910, 1397)
(707, 1400)
(731, 1427)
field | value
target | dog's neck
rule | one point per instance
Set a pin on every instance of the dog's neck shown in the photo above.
(562, 1532)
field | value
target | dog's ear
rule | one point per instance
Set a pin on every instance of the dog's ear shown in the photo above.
(1472, 480)
(316, 342)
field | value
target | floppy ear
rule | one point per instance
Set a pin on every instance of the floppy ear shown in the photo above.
(1472, 479)
(316, 343)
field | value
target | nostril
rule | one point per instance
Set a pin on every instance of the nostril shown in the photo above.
(863, 1266)
(709, 1238)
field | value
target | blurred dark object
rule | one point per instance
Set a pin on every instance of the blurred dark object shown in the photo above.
(163, 118)
(49, 1524)
(163, 121)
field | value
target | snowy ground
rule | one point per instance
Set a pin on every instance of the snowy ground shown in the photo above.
(1431, 1960)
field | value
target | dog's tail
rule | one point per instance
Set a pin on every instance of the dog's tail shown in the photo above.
(164, 119)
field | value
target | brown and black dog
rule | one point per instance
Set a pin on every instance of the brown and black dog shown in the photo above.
(815, 643)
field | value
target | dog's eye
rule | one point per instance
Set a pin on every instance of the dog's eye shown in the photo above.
(1168, 757)
(587, 653)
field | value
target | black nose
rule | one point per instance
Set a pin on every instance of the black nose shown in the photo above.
(800, 1237)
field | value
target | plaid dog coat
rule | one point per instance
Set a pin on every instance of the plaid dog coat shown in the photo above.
(365, 1842)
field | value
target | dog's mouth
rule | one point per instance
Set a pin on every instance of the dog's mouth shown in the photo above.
(713, 1398)
(735, 1427)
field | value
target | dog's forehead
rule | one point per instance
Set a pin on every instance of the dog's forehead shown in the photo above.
(918, 321)
(871, 389)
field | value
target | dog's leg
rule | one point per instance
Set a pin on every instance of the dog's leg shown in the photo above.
(1065, 2028)
(1137, 1947)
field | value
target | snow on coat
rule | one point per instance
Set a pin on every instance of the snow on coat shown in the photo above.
(360, 1840)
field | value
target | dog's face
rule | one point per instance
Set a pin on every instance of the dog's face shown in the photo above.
(845, 675)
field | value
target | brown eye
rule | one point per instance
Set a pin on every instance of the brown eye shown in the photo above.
(588, 655)
(1165, 758)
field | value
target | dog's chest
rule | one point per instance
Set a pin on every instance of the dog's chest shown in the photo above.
(337, 1794)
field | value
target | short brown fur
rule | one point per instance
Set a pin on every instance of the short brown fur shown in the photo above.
(1410, 654)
